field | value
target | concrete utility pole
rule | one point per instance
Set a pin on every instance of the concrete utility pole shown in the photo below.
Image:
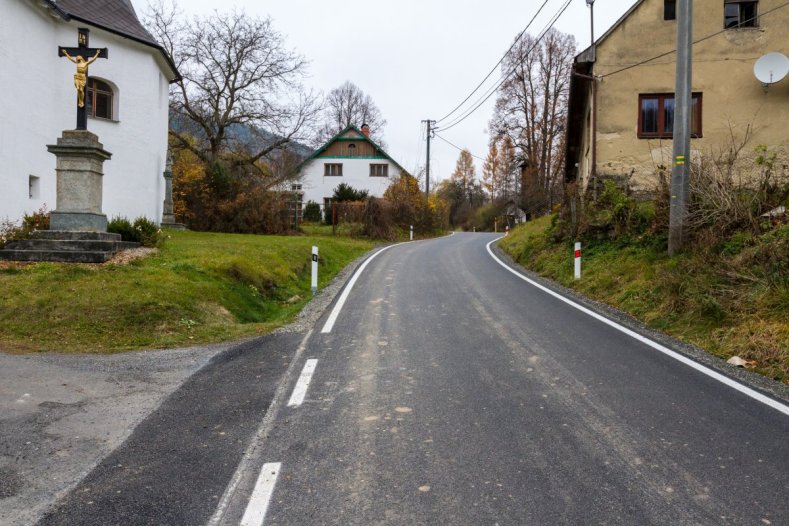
(680, 184)
(427, 166)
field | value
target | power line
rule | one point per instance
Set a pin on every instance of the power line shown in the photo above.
(461, 149)
(507, 76)
(514, 43)
(637, 64)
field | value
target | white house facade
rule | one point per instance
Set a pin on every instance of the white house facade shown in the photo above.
(127, 99)
(351, 157)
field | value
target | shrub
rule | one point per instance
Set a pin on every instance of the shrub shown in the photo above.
(122, 226)
(13, 231)
(143, 231)
(312, 212)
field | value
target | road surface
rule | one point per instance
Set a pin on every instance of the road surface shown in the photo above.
(444, 389)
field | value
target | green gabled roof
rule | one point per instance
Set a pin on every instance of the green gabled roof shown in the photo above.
(362, 137)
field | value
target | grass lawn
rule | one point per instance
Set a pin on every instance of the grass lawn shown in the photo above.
(199, 288)
(730, 302)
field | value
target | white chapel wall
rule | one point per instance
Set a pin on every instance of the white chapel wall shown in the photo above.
(40, 104)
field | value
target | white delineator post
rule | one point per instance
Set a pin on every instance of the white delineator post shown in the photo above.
(412, 232)
(578, 261)
(314, 270)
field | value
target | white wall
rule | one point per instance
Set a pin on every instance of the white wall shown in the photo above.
(40, 102)
(355, 173)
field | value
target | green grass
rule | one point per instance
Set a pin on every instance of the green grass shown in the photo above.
(730, 300)
(199, 288)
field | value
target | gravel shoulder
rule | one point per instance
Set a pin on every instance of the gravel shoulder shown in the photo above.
(60, 415)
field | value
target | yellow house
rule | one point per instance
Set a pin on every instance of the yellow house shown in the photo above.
(623, 86)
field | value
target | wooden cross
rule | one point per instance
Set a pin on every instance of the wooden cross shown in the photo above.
(83, 56)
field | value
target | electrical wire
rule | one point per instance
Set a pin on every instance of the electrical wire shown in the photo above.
(461, 149)
(506, 77)
(492, 71)
(637, 64)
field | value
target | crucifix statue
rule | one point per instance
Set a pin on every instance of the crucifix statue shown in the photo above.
(83, 56)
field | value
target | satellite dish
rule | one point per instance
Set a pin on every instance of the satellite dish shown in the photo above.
(771, 68)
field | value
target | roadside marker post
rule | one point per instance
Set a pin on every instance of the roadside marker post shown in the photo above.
(314, 270)
(412, 232)
(507, 230)
(578, 261)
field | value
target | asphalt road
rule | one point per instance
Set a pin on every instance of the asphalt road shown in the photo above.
(448, 391)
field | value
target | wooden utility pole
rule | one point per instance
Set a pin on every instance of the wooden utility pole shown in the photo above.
(680, 184)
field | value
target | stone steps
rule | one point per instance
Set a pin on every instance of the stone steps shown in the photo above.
(58, 256)
(71, 245)
(66, 247)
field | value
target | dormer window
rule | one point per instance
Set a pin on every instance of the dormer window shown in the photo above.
(351, 150)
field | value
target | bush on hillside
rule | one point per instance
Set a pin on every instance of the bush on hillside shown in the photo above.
(311, 212)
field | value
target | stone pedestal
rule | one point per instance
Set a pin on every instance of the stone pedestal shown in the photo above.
(80, 170)
(168, 215)
(78, 227)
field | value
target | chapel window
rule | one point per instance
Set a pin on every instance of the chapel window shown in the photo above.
(739, 14)
(656, 116)
(99, 100)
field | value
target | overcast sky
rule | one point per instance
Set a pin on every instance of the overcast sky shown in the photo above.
(416, 58)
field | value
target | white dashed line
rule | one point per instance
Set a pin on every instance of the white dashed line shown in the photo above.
(264, 489)
(300, 391)
(665, 350)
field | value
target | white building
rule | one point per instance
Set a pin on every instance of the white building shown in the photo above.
(127, 100)
(350, 157)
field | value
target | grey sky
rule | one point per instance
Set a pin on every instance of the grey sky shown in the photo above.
(417, 58)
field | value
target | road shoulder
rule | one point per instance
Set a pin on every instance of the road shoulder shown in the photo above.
(755, 381)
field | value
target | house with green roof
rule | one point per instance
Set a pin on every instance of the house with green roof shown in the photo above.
(350, 157)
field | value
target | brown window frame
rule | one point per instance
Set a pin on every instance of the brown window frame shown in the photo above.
(92, 90)
(661, 133)
(375, 166)
(327, 170)
(750, 22)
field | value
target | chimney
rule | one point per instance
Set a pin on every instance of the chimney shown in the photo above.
(366, 130)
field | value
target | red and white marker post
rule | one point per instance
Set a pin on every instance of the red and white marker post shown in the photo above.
(578, 260)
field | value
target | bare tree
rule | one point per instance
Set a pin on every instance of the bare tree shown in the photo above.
(531, 106)
(239, 99)
(347, 105)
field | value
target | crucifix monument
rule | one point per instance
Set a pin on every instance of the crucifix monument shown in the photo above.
(80, 155)
(83, 56)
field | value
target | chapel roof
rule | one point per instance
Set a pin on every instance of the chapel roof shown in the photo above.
(115, 16)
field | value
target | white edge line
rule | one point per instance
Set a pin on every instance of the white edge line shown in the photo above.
(249, 455)
(303, 383)
(256, 510)
(665, 350)
(345, 293)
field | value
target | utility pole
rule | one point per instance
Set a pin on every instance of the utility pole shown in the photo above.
(680, 184)
(427, 166)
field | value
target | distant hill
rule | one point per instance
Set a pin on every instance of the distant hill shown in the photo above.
(254, 138)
